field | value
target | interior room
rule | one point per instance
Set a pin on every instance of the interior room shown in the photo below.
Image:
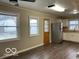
(39, 29)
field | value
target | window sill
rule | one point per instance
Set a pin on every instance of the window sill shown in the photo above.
(34, 35)
(7, 40)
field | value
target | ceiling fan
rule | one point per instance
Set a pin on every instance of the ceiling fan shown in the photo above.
(51, 4)
(22, 0)
(15, 2)
(55, 7)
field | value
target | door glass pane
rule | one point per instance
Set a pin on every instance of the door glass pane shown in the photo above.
(46, 29)
(46, 21)
(46, 26)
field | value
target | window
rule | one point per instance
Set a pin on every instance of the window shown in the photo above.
(74, 25)
(34, 26)
(8, 27)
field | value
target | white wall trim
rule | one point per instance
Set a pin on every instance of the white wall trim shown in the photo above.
(24, 50)
(50, 41)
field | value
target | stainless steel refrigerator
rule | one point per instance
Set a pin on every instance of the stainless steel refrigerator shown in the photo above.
(56, 32)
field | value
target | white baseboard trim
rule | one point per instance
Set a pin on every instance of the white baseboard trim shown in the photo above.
(72, 41)
(50, 41)
(24, 50)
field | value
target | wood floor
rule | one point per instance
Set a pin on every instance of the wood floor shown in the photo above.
(65, 50)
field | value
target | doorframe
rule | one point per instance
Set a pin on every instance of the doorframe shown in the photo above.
(49, 29)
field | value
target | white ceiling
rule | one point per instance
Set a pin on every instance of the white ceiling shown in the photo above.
(41, 5)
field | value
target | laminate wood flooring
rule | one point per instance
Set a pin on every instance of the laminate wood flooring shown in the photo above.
(65, 50)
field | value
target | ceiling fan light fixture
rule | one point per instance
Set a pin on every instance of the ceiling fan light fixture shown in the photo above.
(57, 8)
(74, 12)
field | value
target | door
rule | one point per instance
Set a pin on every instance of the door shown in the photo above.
(46, 31)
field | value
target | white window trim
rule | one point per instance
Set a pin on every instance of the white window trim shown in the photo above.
(18, 26)
(34, 35)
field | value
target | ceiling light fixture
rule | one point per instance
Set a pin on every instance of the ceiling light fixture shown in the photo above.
(57, 8)
(74, 12)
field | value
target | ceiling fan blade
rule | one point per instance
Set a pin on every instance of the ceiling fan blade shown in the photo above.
(29, 0)
(22, 0)
(51, 5)
(13, 0)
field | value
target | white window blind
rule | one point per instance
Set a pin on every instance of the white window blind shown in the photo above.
(73, 25)
(8, 27)
(34, 26)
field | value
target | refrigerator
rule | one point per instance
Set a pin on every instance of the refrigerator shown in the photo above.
(56, 32)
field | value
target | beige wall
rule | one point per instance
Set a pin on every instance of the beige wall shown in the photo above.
(25, 41)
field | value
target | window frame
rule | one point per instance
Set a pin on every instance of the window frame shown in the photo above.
(38, 26)
(17, 26)
(69, 24)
